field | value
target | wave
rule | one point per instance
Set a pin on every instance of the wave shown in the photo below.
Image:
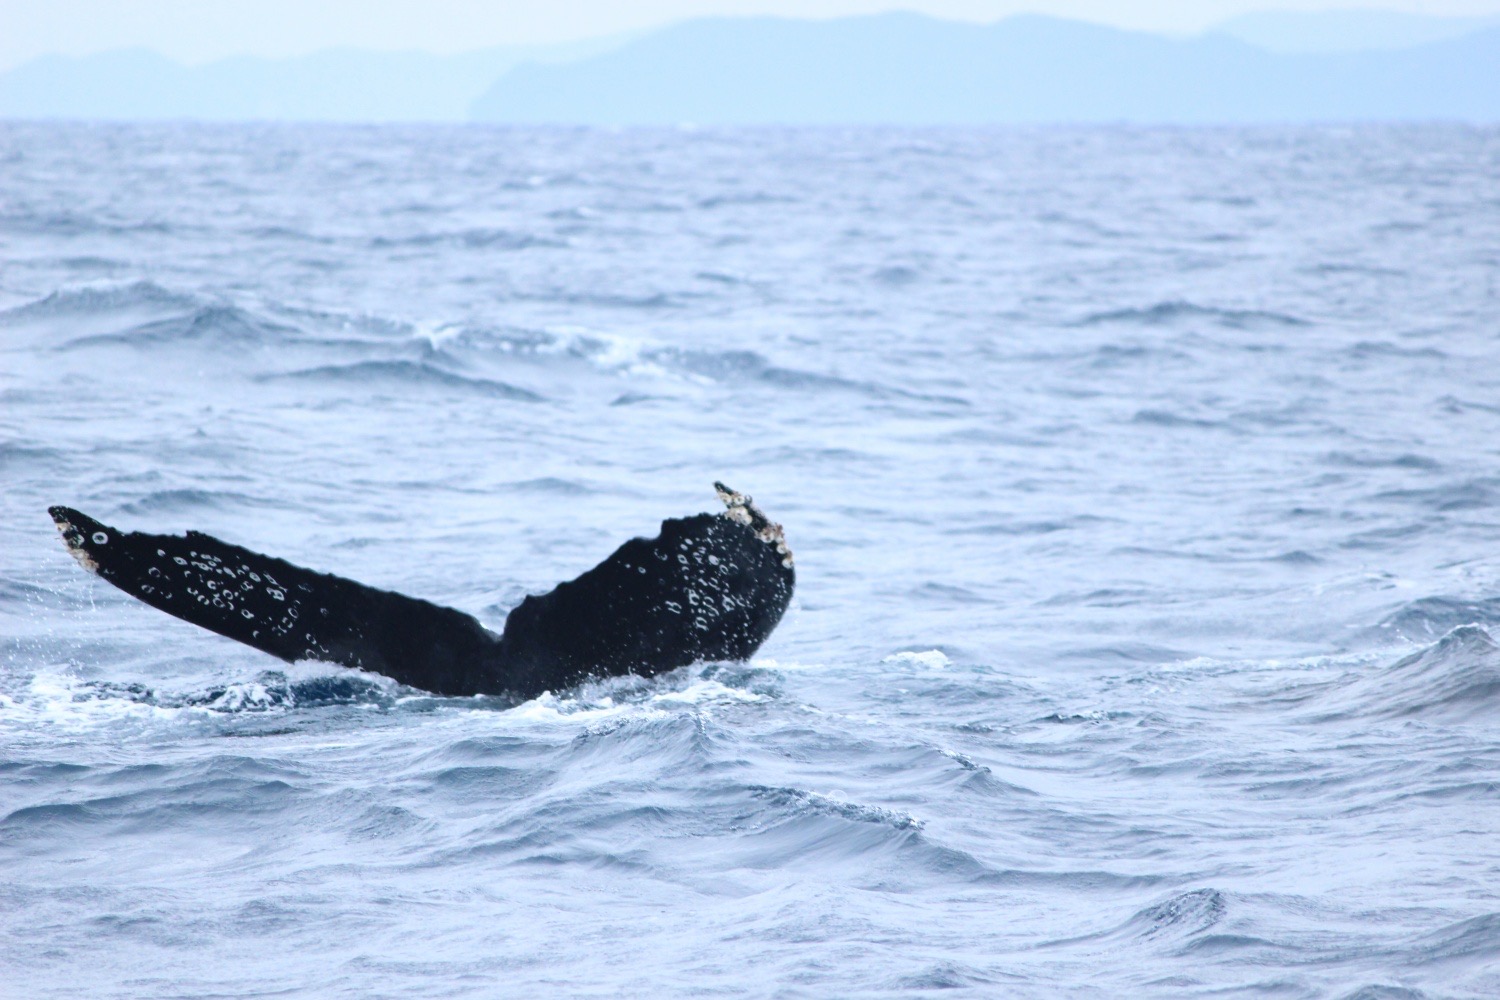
(218, 325)
(550, 485)
(1473, 494)
(1379, 991)
(1176, 920)
(1113, 357)
(14, 456)
(619, 354)
(287, 233)
(634, 398)
(271, 690)
(1456, 679)
(102, 300)
(749, 366)
(747, 198)
(1165, 418)
(1385, 349)
(943, 976)
(798, 800)
(470, 239)
(412, 374)
(1432, 617)
(1476, 937)
(1454, 404)
(144, 314)
(193, 500)
(381, 328)
(1366, 460)
(1183, 915)
(895, 276)
(54, 224)
(1177, 311)
(722, 278)
(606, 300)
(593, 709)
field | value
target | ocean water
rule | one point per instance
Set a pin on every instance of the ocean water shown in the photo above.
(1144, 486)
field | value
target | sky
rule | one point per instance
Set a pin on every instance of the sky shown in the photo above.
(195, 31)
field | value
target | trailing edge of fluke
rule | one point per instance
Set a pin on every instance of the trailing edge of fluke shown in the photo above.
(709, 587)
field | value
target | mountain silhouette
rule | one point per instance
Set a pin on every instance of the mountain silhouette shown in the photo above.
(897, 68)
(910, 69)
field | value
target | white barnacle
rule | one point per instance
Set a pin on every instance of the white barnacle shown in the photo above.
(742, 510)
(279, 595)
(74, 541)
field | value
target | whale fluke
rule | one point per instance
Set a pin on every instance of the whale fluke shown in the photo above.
(708, 587)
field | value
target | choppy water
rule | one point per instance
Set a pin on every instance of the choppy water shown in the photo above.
(1144, 484)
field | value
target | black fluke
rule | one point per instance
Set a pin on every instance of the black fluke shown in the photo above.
(709, 587)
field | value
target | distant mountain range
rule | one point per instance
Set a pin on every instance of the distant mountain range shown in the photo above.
(332, 85)
(889, 68)
(1347, 30)
(903, 68)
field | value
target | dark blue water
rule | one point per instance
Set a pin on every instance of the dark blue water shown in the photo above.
(1144, 485)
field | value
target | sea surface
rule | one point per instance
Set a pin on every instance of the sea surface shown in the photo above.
(1144, 486)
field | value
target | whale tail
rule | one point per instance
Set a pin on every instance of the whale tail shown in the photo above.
(285, 610)
(708, 587)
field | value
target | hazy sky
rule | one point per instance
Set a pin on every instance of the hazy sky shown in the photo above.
(199, 30)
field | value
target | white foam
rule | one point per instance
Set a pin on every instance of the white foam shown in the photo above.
(932, 659)
(53, 701)
(436, 334)
(549, 710)
(705, 692)
(249, 696)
